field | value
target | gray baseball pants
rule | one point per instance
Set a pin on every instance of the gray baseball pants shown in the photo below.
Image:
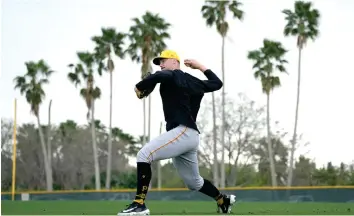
(180, 144)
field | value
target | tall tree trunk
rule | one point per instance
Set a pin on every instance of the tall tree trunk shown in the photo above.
(149, 105)
(109, 158)
(49, 144)
(94, 147)
(45, 155)
(159, 180)
(270, 146)
(149, 119)
(215, 151)
(234, 169)
(222, 181)
(144, 121)
(293, 142)
(144, 69)
(149, 128)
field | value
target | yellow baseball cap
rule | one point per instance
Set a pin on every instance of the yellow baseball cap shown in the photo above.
(166, 54)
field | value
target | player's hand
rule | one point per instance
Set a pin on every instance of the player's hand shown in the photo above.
(194, 64)
(138, 93)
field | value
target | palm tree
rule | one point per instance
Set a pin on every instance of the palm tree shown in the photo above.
(84, 72)
(266, 61)
(31, 85)
(303, 24)
(109, 42)
(147, 39)
(214, 12)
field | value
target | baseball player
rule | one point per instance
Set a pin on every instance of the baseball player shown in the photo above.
(181, 96)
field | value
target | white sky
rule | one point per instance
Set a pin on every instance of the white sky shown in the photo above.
(55, 30)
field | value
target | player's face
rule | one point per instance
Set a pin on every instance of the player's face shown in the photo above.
(168, 64)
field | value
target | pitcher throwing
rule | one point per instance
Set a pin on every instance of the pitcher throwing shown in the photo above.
(181, 96)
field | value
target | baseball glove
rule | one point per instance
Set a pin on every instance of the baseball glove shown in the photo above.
(147, 92)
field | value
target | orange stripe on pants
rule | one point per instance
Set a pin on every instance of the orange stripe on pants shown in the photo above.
(169, 142)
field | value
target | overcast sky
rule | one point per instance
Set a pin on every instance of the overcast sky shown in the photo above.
(55, 30)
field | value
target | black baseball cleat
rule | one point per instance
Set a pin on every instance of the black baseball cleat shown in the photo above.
(229, 200)
(135, 209)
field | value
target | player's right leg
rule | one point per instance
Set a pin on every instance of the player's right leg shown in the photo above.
(187, 167)
(165, 146)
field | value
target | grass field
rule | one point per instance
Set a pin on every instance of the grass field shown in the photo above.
(171, 208)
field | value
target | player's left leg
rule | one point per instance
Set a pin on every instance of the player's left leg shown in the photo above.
(168, 145)
(187, 167)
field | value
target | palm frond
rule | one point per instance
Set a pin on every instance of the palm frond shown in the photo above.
(281, 68)
(254, 55)
(84, 92)
(86, 58)
(287, 12)
(118, 44)
(74, 78)
(102, 67)
(96, 93)
(31, 69)
(234, 7)
(97, 40)
(43, 81)
(209, 15)
(19, 81)
(44, 68)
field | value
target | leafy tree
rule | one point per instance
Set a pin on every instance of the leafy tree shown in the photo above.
(266, 61)
(280, 156)
(31, 85)
(244, 123)
(214, 12)
(66, 127)
(6, 153)
(84, 72)
(130, 145)
(303, 24)
(304, 168)
(110, 41)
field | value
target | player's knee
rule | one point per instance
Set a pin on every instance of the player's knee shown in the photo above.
(194, 184)
(143, 156)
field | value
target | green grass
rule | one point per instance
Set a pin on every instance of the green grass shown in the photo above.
(171, 208)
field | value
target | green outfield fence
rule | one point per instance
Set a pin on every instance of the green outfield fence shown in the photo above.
(250, 194)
